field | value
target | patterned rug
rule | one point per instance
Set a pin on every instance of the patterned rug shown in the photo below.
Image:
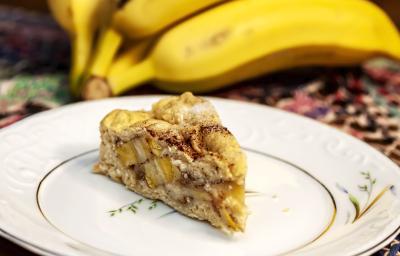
(362, 101)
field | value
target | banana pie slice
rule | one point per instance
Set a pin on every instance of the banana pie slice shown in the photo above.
(178, 153)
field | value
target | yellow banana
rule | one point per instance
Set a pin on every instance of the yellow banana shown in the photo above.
(97, 87)
(142, 18)
(61, 12)
(108, 44)
(249, 38)
(82, 20)
(129, 58)
(87, 17)
(136, 19)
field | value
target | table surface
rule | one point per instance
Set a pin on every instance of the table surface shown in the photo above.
(362, 101)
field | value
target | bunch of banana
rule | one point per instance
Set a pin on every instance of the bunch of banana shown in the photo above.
(138, 20)
(237, 40)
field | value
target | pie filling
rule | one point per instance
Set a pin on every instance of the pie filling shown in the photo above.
(153, 166)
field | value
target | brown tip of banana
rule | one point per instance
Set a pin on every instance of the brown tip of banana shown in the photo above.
(96, 88)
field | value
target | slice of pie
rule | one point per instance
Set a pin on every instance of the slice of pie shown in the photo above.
(178, 153)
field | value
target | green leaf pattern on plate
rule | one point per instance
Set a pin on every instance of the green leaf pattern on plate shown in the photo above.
(366, 188)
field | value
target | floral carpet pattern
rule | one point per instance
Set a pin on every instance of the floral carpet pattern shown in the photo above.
(362, 101)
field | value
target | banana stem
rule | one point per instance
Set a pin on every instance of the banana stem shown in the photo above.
(108, 45)
(132, 77)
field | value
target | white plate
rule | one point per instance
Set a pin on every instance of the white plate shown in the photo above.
(311, 190)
